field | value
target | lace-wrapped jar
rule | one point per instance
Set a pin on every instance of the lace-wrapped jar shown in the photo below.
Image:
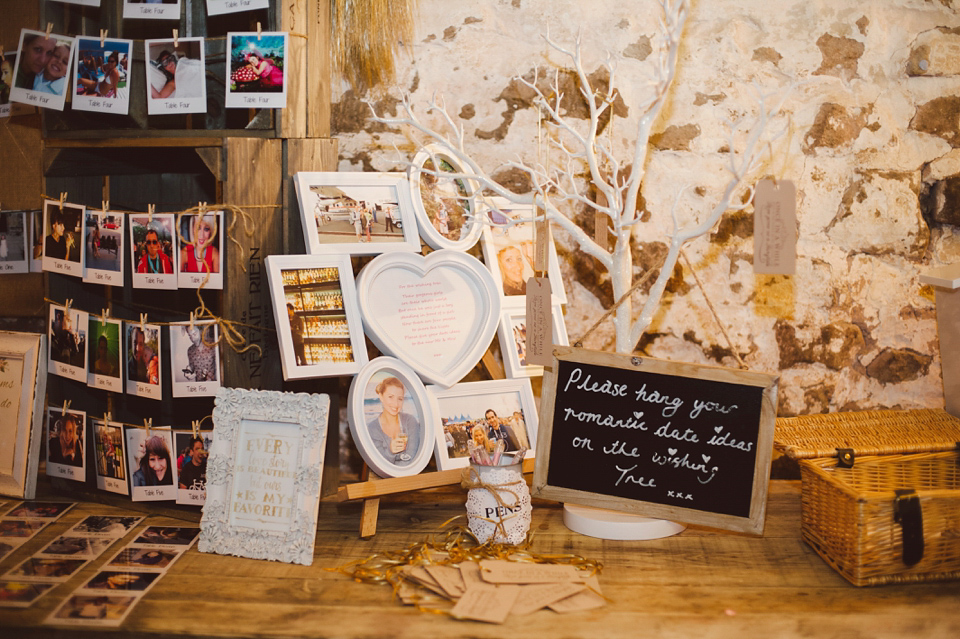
(498, 503)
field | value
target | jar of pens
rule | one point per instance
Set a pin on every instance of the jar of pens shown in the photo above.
(498, 499)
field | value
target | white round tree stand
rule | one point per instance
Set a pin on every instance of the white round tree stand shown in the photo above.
(611, 524)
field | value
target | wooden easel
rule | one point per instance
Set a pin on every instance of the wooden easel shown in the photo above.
(371, 487)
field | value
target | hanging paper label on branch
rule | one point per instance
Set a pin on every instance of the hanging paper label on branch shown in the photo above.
(775, 228)
(539, 322)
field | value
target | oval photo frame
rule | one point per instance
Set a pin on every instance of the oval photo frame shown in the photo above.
(427, 202)
(364, 407)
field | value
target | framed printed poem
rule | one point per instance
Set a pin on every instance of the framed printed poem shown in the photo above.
(68, 343)
(508, 247)
(102, 75)
(315, 308)
(42, 74)
(483, 412)
(23, 381)
(176, 76)
(13, 242)
(390, 418)
(513, 340)
(445, 206)
(263, 475)
(104, 254)
(256, 77)
(356, 213)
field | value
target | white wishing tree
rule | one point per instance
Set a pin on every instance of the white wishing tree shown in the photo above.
(586, 158)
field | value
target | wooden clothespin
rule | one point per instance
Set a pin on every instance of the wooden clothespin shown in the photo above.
(106, 418)
(49, 29)
(150, 210)
(106, 205)
(195, 425)
(103, 37)
(104, 316)
(193, 319)
(143, 320)
(63, 198)
(176, 38)
(66, 306)
(203, 208)
(66, 407)
(259, 32)
(148, 423)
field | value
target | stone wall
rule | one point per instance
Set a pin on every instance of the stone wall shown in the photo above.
(873, 145)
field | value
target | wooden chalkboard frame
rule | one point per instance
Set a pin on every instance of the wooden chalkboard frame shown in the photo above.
(752, 523)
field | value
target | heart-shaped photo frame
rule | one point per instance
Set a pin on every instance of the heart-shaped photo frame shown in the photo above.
(437, 314)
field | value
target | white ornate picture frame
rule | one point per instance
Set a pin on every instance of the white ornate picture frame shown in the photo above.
(364, 410)
(512, 246)
(356, 213)
(23, 384)
(437, 313)
(445, 206)
(461, 409)
(253, 513)
(513, 340)
(317, 316)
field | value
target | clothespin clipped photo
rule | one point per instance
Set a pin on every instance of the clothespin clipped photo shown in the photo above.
(151, 208)
(176, 38)
(66, 306)
(143, 320)
(195, 424)
(148, 424)
(103, 37)
(104, 316)
(63, 198)
(49, 30)
(107, 418)
(105, 204)
(66, 406)
(193, 319)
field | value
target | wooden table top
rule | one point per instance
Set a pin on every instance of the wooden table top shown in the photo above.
(700, 583)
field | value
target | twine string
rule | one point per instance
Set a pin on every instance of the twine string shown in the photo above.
(716, 316)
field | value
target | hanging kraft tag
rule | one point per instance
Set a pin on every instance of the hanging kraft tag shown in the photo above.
(775, 228)
(539, 320)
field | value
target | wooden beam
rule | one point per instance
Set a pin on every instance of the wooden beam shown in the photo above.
(73, 143)
(293, 119)
(319, 69)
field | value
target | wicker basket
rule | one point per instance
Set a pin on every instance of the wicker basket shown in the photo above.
(890, 517)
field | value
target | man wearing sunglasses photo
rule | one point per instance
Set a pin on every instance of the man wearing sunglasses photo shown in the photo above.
(154, 260)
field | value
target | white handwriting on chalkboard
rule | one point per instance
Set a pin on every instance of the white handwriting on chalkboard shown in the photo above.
(674, 433)
(626, 478)
(709, 407)
(684, 462)
(620, 448)
(654, 397)
(606, 388)
(604, 420)
(725, 440)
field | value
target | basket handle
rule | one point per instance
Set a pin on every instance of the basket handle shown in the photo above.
(907, 513)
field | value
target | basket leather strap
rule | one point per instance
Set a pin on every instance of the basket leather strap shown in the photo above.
(907, 513)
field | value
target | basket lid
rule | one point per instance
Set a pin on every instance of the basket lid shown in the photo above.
(875, 432)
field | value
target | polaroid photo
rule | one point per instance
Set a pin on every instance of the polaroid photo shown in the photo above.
(192, 453)
(218, 7)
(317, 315)
(445, 206)
(63, 242)
(167, 536)
(143, 363)
(512, 332)
(35, 224)
(153, 471)
(16, 530)
(93, 610)
(152, 242)
(42, 72)
(176, 76)
(200, 242)
(8, 545)
(133, 558)
(195, 357)
(104, 255)
(483, 412)
(21, 594)
(152, 9)
(13, 242)
(356, 213)
(68, 343)
(255, 78)
(389, 417)
(120, 581)
(108, 526)
(66, 444)
(102, 75)
(508, 246)
(109, 446)
(105, 355)
(76, 547)
(7, 62)
(41, 509)
(55, 569)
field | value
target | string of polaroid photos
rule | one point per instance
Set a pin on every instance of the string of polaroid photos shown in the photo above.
(196, 425)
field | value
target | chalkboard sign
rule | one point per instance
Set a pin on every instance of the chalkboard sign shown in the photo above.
(676, 441)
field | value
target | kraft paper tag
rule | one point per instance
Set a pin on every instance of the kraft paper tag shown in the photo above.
(497, 571)
(448, 578)
(775, 228)
(541, 246)
(470, 572)
(419, 575)
(588, 599)
(539, 322)
(600, 227)
(534, 597)
(486, 602)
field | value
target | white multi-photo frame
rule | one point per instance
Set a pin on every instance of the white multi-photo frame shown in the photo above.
(483, 412)
(316, 313)
(513, 340)
(356, 213)
(445, 206)
(508, 249)
(390, 418)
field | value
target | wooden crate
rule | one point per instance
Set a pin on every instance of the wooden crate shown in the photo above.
(875, 511)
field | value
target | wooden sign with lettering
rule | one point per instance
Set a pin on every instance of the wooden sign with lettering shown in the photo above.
(675, 441)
